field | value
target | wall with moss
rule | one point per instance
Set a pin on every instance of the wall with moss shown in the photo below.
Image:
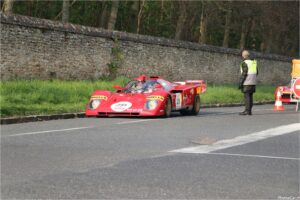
(34, 48)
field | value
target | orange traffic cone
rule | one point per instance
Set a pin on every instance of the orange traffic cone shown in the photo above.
(278, 103)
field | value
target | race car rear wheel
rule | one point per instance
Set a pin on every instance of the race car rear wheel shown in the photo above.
(195, 109)
(196, 105)
(168, 107)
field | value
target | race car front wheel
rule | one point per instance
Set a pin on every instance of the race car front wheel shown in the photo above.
(168, 107)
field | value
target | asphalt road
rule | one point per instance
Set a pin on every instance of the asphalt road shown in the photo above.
(240, 157)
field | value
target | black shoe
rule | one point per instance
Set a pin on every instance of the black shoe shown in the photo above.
(245, 113)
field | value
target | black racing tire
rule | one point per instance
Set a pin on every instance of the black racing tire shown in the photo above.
(168, 107)
(196, 106)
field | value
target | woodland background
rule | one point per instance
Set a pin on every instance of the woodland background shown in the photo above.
(263, 26)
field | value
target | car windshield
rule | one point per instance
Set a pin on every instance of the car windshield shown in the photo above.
(290, 84)
(143, 86)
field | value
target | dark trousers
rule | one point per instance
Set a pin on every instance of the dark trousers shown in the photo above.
(248, 97)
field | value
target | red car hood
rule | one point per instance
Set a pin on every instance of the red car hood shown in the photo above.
(122, 102)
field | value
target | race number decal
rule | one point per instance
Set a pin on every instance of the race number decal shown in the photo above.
(121, 106)
(178, 100)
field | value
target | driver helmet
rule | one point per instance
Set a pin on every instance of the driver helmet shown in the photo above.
(141, 78)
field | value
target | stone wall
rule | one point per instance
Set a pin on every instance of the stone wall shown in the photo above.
(34, 48)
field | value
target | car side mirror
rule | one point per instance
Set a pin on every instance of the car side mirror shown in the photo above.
(118, 87)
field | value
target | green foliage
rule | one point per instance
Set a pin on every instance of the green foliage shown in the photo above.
(86, 13)
(30, 97)
(117, 60)
(37, 8)
(159, 18)
(126, 16)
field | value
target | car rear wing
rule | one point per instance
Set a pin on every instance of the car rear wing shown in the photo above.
(200, 83)
(296, 69)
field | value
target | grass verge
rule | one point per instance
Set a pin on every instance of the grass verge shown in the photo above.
(222, 94)
(23, 97)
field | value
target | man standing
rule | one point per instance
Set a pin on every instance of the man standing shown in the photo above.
(248, 80)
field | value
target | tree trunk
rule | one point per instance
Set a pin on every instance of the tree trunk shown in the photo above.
(262, 46)
(251, 33)
(104, 14)
(161, 11)
(181, 20)
(269, 41)
(202, 29)
(29, 7)
(8, 6)
(134, 9)
(191, 34)
(243, 34)
(227, 25)
(113, 15)
(65, 11)
(277, 41)
(140, 16)
(97, 19)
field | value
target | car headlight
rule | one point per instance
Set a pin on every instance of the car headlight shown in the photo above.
(151, 104)
(95, 103)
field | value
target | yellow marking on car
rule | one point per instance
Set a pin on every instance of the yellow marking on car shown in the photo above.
(155, 97)
(101, 97)
(198, 90)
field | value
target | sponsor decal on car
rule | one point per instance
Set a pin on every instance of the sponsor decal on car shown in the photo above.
(155, 97)
(178, 100)
(198, 90)
(101, 97)
(121, 106)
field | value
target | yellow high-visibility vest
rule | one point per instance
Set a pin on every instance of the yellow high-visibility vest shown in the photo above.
(252, 72)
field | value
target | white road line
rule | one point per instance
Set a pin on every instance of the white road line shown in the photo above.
(253, 156)
(137, 121)
(49, 131)
(240, 140)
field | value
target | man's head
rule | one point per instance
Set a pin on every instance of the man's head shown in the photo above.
(245, 54)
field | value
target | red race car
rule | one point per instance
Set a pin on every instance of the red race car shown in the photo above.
(286, 93)
(148, 96)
